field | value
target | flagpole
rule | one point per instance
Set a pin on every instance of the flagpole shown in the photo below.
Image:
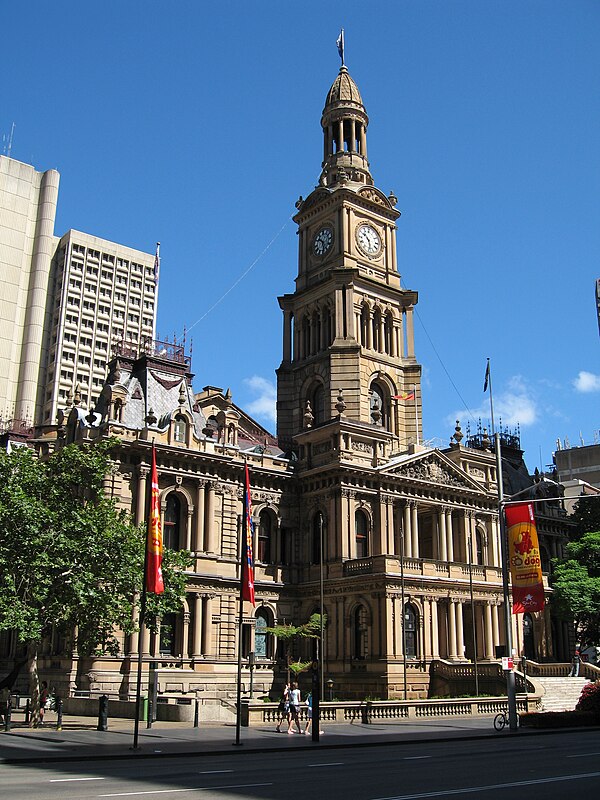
(142, 622)
(238, 713)
(511, 690)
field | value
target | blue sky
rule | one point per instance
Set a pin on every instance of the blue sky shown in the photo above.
(197, 124)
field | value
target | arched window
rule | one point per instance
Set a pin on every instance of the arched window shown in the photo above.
(389, 332)
(328, 327)
(179, 429)
(411, 631)
(265, 537)
(545, 557)
(377, 343)
(172, 522)
(305, 337)
(212, 426)
(262, 640)
(361, 532)
(359, 633)
(364, 325)
(478, 547)
(317, 403)
(168, 626)
(379, 406)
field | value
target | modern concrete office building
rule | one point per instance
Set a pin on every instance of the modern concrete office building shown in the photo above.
(65, 302)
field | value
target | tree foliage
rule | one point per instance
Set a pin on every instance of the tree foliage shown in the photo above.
(586, 514)
(286, 633)
(69, 558)
(576, 583)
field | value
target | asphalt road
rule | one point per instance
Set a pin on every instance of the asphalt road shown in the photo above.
(527, 767)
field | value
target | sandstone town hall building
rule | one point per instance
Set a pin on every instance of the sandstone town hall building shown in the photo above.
(410, 552)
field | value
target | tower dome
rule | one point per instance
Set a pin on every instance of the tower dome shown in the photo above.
(344, 122)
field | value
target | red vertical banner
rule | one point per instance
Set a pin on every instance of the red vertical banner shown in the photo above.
(524, 558)
(154, 540)
(247, 560)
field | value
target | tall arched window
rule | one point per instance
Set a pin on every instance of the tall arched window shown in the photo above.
(359, 633)
(478, 547)
(265, 537)
(411, 631)
(172, 523)
(179, 429)
(305, 337)
(262, 640)
(168, 627)
(389, 332)
(318, 404)
(364, 325)
(377, 343)
(361, 532)
(528, 637)
(379, 406)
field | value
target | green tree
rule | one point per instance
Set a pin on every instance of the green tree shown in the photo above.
(287, 633)
(576, 583)
(70, 560)
(586, 514)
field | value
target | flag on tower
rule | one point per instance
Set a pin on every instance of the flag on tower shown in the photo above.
(157, 262)
(487, 376)
(154, 540)
(340, 45)
(247, 561)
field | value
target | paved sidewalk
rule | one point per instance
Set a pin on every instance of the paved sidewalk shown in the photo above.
(79, 739)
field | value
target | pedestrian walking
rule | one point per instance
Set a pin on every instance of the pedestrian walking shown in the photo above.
(309, 715)
(283, 708)
(295, 700)
(44, 694)
(575, 665)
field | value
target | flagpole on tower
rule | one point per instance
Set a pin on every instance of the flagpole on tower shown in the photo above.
(511, 690)
(340, 46)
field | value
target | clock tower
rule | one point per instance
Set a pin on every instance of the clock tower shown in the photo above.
(348, 345)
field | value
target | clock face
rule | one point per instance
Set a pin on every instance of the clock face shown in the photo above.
(368, 239)
(323, 241)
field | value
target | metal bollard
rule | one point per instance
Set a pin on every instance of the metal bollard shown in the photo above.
(58, 704)
(28, 712)
(103, 713)
(7, 715)
(196, 713)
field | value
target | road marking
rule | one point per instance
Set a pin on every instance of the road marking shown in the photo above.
(214, 771)
(67, 780)
(414, 758)
(471, 789)
(330, 764)
(584, 755)
(193, 789)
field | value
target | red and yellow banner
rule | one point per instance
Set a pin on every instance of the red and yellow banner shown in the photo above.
(524, 558)
(248, 531)
(154, 541)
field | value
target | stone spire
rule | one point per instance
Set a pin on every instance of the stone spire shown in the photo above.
(344, 122)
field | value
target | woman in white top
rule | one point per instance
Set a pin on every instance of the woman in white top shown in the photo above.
(294, 699)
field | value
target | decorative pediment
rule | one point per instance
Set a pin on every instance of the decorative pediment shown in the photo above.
(375, 196)
(431, 467)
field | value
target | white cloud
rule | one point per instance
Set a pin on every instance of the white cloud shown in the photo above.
(587, 382)
(515, 405)
(264, 406)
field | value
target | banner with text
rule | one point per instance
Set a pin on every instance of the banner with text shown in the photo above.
(524, 559)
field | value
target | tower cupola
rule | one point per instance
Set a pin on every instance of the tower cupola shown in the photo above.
(344, 122)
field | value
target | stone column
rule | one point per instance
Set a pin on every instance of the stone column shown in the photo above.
(414, 525)
(209, 517)
(145, 638)
(435, 635)
(406, 532)
(452, 629)
(489, 633)
(198, 543)
(495, 626)
(207, 626)
(441, 537)
(449, 535)
(188, 528)
(197, 627)
(340, 136)
(186, 644)
(142, 488)
(427, 634)
(287, 335)
(460, 637)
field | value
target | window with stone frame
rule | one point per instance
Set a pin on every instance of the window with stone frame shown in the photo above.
(360, 632)
(361, 533)
(172, 522)
(411, 631)
(266, 537)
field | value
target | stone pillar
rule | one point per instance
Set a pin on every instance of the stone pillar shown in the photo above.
(209, 519)
(186, 643)
(496, 625)
(340, 136)
(489, 632)
(406, 532)
(435, 635)
(460, 637)
(188, 528)
(142, 489)
(353, 135)
(145, 638)
(449, 535)
(197, 627)
(441, 537)
(410, 333)
(198, 543)
(427, 635)
(414, 525)
(452, 655)
(207, 626)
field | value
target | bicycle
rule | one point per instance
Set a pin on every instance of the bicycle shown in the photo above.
(501, 721)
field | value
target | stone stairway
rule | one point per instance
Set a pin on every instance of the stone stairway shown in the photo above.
(561, 694)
